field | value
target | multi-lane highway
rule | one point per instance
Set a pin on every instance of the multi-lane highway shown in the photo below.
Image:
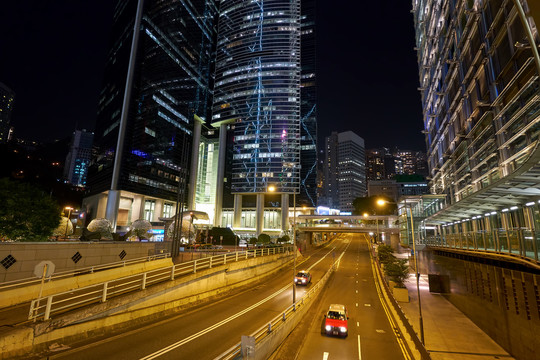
(370, 334)
(208, 331)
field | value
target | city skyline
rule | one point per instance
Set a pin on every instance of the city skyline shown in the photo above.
(58, 94)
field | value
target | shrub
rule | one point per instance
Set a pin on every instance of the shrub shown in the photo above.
(141, 228)
(384, 254)
(253, 240)
(102, 226)
(397, 271)
(264, 238)
(65, 224)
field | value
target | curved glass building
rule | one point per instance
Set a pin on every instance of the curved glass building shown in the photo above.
(257, 92)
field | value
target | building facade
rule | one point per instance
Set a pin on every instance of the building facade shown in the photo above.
(145, 144)
(344, 171)
(78, 158)
(308, 107)
(257, 98)
(479, 81)
(7, 101)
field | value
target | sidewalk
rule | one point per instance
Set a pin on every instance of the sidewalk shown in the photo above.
(448, 333)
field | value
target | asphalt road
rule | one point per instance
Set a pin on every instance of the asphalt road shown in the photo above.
(206, 332)
(370, 334)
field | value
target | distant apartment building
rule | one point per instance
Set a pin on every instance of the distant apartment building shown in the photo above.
(344, 171)
(78, 158)
(7, 99)
(385, 163)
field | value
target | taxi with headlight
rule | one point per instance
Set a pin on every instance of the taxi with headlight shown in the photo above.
(336, 321)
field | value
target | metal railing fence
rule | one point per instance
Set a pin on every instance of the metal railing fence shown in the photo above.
(45, 306)
(524, 243)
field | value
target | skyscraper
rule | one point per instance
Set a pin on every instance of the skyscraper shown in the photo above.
(479, 81)
(7, 99)
(344, 170)
(167, 101)
(257, 96)
(308, 109)
(78, 158)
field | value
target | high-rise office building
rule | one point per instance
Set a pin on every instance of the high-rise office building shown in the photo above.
(78, 158)
(257, 97)
(479, 83)
(7, 99)
(308, 108)
(167, 100)
(344, 170)
(380, 164)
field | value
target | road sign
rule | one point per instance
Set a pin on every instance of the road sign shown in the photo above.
(38, 270)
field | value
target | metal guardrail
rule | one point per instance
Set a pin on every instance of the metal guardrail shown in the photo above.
(44, 307)
(261, 333)
(86, 270)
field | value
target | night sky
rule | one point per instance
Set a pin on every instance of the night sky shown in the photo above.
(53, 54)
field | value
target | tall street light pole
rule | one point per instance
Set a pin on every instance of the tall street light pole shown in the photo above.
(382, 202)
(295, 249)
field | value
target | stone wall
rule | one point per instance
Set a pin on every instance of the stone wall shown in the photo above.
(501, 297)
(18, 259)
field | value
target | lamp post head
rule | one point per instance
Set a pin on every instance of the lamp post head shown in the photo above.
(271, 188)
(365, 214)
(382, 202)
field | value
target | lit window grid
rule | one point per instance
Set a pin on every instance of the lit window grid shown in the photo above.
(262, 93)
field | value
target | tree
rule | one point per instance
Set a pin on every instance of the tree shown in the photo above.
(64, 228)
(103, 226)
(141, 229)
(26, 212)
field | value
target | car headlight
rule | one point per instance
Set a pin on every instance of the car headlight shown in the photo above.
(328, 328)
(342, 329)
(303, 280)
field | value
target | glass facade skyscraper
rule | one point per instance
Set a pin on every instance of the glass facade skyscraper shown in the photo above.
(308, 107)
(171, 87)
(257, 90)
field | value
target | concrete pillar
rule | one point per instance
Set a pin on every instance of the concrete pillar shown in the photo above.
(158, 210)
(394, 241)
(137, 208)
(220, 173)
(259, 214)
(193, 171)
(237, 217)
(284, 212)
(111, 211)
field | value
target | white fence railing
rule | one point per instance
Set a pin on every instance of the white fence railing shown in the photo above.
(43, 308)
(86, 270)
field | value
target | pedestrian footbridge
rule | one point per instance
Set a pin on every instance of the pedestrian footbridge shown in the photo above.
(348, 223)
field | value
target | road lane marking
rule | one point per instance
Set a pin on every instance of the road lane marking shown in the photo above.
(359, 349)
(325, 356)
(380, 331)
(213, 327)
(356, 304)
(357, 291)
(367, 305)
(312, 266)
(357, 323)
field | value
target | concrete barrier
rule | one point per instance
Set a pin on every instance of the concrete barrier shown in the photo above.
(144, 306)
(25, 294)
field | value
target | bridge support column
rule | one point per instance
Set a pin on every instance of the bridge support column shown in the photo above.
(259, 214)
(394, 241)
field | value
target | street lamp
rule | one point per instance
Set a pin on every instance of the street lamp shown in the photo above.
(382, 202)
(272, 188)
(68, 208)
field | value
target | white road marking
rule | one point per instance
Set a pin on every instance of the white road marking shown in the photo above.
(357, 281)
(311, 267)
(359, 349)
(213, 327)
(367, 305)
(357, 323)
(357, 291)
(325, 356)
(380, 331)
(356, 304)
